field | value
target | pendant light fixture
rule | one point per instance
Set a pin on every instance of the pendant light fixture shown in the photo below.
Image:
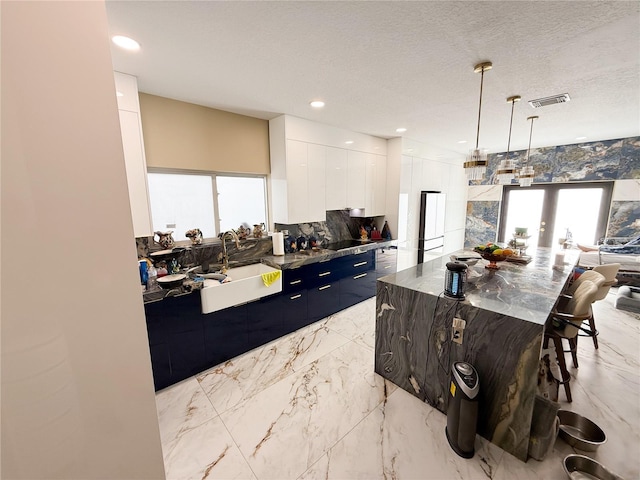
(525, 177)
(507, 169)
(476, 164)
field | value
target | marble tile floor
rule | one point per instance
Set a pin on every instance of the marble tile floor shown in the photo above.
(309, 406)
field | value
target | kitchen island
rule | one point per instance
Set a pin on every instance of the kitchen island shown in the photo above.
(505, 312)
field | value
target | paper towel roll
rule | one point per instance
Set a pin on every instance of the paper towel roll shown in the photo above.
(278, 243)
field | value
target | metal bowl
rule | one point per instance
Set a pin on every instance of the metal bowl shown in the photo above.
(580, 432)
(590, 468)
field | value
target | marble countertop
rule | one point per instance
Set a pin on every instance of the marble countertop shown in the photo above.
(295, 260)
(527, 292)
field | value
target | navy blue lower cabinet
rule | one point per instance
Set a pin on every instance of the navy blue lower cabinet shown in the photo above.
(357, 288)
(160, 365)
(294, 310)
(264, 321)
(225, 334)
(323, 301)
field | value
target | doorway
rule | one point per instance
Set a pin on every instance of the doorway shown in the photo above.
(550, 212)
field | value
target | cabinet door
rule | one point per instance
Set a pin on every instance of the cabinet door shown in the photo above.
(323, 301)
(336, 178)
(380, 186)
(294, 308)
(160, 365)
(357, 288)
(264, 321)
(136, 172)
(356, 177)
(297, 186)
(386, 261)
(225, 334)
(317, 210)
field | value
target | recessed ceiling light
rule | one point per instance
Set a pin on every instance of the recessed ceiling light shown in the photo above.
(401, 130)
(581, 138)
(317, 104)
(462, 141)
(125, 42)
(349, 142)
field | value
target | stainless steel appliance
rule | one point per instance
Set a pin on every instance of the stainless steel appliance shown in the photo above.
(431, 228)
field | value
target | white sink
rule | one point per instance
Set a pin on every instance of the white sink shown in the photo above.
(245, 286)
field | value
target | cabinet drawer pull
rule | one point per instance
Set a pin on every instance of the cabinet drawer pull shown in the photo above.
(295, 282)
(359, 264)
(388, 266)
(324, 274)
(360, 276)
(295, 296)
(325, 287)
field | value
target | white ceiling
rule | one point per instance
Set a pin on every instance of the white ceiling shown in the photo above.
(383, 65)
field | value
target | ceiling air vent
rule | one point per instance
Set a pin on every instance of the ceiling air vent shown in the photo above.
(543, 102)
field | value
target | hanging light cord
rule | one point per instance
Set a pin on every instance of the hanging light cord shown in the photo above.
(513, 104)
(479, 107)
(530, 134)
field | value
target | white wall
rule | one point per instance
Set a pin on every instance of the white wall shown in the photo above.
(77, 395)
(418, 172)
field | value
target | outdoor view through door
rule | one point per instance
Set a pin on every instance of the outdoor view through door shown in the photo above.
(548, 211)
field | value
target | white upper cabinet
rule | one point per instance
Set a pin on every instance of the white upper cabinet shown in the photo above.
(336, 178)
(133, 147)
(356, 179)
(315, 168)
(375, 185)
(297, 177)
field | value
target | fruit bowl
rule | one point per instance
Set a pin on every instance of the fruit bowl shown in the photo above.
(493, 259)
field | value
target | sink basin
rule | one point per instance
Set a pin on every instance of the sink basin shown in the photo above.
(245, 286)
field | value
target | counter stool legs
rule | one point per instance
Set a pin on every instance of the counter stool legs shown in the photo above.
(566, 377)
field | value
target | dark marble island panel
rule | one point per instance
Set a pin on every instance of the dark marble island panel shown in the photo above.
(505, 312)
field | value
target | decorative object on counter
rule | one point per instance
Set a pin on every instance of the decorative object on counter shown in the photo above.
(386, 231)
(302, 243)
(375, 234)
(174, 267)
(313, 243)
(277, 240)
(258, 230)
(242, 232)
(363, 233)
(165, 239)
(290, 244)
(195, 235)
(476, 163)
(494, 253)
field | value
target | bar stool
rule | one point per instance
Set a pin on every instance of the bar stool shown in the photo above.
(608, 272)
(564, 323)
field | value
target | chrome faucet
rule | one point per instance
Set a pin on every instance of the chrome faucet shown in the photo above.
(225, 255)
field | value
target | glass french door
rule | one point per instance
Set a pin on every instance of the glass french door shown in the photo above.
(550, 212)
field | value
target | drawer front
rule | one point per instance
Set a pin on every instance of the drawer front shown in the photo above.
(357, 288)
(295, 279)
(324, 300)
(357, 263)
(323, 273)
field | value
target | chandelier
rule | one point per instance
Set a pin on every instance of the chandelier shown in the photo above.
(476, 164)
(526, 174)
(507, 169)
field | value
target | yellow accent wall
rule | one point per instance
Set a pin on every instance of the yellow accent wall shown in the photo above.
(188, 136)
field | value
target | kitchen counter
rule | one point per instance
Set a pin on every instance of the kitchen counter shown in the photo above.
(295, 260)
(505, 312)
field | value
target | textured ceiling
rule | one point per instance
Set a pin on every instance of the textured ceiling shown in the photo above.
(383, 65)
